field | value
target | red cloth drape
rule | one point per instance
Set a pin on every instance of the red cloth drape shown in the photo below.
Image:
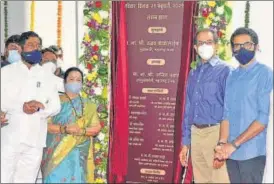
(187, 57)
(118, 150)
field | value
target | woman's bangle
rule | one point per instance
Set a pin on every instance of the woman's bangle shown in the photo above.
(84, 131)
(63, 129)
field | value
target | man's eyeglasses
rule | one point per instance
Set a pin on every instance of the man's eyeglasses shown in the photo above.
(246, 45)
(208, 42)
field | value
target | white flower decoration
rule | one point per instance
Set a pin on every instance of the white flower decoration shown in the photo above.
(220, 10)
(205, 26)
(95, 69)
(99, 82)
(98, 91)
(104, 52)
(103, 14)
(100, 171)
(96, 42)
(217, 18)
(101, 136)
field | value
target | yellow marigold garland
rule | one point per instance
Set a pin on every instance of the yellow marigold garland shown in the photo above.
(32, 14)
(6, 20)
(59, 23)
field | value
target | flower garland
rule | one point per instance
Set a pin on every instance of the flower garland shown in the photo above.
(215, 15)
(6, 19)
(59, 23)
(247, 12)
(32, 13)
(95, 62)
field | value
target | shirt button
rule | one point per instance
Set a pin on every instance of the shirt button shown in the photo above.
(196, 92)
(196, 103)
(198, 80)
(196, 115)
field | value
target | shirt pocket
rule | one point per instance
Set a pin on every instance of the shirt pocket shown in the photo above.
(42, 93)
(209, 92)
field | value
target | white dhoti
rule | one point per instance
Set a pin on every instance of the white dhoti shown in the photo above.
(268, 173)
(20, 164)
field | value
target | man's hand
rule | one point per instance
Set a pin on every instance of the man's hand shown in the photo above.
(218, 160)
(73, 129)
(217, 164)
(224, 151)
(3, 117)
(32, 106)
(228, 149)
(219, 153)
(36, 104)
(28, 108)
(183, 156)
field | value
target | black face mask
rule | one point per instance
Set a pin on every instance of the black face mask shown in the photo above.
(33, 57)
(244, 56)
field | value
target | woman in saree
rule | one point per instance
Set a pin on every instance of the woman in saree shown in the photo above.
(68, 157)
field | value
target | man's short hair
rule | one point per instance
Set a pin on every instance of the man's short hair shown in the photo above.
(13, 39)
(215, 36)
(56, 49)
(26, 35)
(245, 31)
(48, 50)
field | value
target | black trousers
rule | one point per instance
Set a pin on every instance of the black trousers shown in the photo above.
(246, 171)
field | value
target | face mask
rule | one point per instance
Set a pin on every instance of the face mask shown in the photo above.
(59, 63)
(49, 66)
(205, 51)
(244, 56)
(74, 87)
(14, 56)
(33, 57)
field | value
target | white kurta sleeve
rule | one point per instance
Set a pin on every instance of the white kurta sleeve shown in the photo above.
(11, 100)
(59, 84)
(53, 106)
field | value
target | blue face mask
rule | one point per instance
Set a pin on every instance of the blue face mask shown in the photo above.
(74, 87)
(244, 56)
(14, 56)
(33, 57)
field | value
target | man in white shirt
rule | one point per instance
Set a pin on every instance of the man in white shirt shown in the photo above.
(60, 63)
(49, 63)
(28, 97)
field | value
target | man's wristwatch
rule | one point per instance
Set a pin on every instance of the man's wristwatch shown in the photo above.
(234, 145)
(220, 143)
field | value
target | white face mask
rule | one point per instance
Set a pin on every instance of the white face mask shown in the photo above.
(50, 67)
(205, 51)
(59, 63)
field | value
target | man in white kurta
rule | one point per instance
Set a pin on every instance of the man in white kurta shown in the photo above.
(268, 173)
(23, 139)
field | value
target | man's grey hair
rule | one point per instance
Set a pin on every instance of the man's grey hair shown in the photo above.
(215, 36)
